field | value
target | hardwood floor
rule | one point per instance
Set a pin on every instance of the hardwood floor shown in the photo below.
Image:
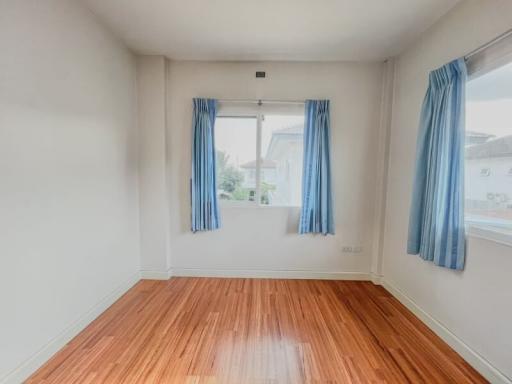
(204, 330)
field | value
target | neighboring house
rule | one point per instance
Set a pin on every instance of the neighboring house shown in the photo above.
(281, 169)
(489, 178)
(285, 149)
(473, 138)
(268, 173)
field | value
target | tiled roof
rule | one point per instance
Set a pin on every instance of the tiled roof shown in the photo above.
(501, 147)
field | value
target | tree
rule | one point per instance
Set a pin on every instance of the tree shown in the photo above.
(222, 159)
(229, 179)
(266, 191)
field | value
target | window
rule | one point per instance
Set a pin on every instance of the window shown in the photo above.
(485, 172)
(259, 153)
(488, 151)
(234, 147)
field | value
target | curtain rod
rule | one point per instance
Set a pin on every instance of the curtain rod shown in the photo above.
(489, 44)
(261, 101)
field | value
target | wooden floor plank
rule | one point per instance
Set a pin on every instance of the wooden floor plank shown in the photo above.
(256, 331)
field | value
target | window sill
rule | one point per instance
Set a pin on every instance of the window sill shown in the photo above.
(255, 206)
(500, 236)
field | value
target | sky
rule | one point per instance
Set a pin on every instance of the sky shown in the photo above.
(489, 103)
(237, 136)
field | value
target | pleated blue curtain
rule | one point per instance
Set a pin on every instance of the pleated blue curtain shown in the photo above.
(317, 207)
(205, 211)
(436, 223)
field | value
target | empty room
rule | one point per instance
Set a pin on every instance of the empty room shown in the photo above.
(255, 192)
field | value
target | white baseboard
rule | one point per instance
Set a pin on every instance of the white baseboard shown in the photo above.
(269, 274)
(23, 371)
(376, 279)
(478, 362)
(156, 275)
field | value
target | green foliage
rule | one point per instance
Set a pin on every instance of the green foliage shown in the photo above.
(221, 160)
(265, 192)
(229, 179)
(240, 194)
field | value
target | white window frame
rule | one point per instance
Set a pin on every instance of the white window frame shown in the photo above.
(242, 109)
(482, 62)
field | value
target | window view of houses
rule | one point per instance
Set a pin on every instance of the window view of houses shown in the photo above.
(488, 179)
(280, 159)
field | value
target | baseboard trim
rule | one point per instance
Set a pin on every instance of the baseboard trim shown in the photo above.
(376, 279)
(270, 274)
(32, 364)
(156, 275)
(477, 361)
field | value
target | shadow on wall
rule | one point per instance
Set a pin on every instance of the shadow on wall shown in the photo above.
(292, 221)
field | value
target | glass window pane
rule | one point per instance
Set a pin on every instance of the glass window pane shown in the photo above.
(488, 186)
(235, 144)
(281, 164)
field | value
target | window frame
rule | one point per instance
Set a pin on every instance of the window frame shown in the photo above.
(480, 64)
(242, 109)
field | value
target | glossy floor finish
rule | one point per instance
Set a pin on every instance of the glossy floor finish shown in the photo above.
(204, 330)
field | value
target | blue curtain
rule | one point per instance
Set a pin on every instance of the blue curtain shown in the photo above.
(205, 211)
(317, 207)
(436, 223)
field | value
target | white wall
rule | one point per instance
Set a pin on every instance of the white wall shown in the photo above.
(264, 241)
(68, 166)
(475, 305)
(68, 176)
(153, 191)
